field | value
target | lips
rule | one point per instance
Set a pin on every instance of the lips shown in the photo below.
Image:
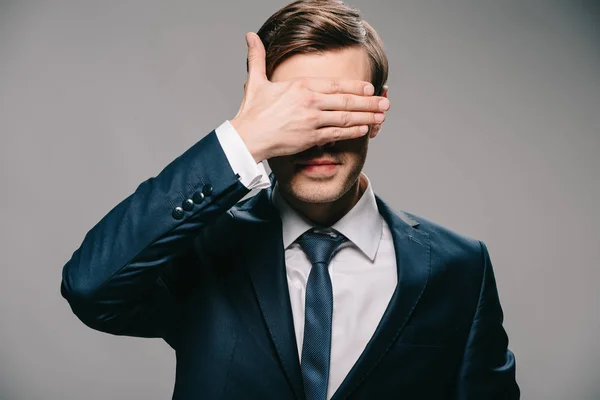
(318, 167)
(320, 161)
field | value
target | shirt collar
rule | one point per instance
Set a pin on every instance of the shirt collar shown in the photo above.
(362, 225)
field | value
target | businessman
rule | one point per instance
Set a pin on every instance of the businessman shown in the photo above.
(314, 288)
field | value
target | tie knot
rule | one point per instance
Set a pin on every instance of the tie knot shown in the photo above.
(319, 245)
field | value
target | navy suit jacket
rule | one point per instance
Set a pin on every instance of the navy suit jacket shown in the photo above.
(178, 259)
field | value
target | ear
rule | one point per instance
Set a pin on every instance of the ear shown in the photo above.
(377, 127)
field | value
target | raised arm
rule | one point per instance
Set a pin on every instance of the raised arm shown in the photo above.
(122, 278)
(136, 265)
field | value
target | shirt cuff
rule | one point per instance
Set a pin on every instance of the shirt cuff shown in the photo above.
(252, 175)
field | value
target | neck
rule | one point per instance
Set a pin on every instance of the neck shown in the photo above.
(326, 214)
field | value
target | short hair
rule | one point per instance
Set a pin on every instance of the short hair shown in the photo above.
(315, 26)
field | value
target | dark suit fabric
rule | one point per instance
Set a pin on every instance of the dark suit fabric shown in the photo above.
(212, 284)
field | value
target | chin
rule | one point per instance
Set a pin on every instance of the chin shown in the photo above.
(315, 191)
(314, 187)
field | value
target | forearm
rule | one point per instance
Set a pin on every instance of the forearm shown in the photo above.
(122, 256)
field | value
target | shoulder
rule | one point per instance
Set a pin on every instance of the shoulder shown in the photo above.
(451, 250)
(446, 237)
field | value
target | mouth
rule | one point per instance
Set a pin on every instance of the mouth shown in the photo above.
(322, 167)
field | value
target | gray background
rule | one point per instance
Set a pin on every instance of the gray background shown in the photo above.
(494, 132)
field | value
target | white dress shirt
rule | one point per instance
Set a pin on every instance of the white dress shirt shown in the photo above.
(363, 270)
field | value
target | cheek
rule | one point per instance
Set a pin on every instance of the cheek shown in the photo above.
(353, 163)
(281, 166)
(354, 150)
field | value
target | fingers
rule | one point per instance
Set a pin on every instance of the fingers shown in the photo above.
(257, 69)
(334, 134)
(350, 102)
(348, 118)
(333, 85)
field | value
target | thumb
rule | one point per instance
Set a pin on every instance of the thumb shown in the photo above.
(257, 69)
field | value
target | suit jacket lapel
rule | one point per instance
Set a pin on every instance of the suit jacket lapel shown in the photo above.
(264, 256)
(412, 251)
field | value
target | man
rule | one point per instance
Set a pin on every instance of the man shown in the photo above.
(314, 288)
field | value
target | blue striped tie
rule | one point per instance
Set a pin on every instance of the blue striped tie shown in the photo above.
(316, 348)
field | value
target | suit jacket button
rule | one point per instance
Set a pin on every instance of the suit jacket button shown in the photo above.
(188, 205)
(177, 213)
(207, 189)
(198, 197)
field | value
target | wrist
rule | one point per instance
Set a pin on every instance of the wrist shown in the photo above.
(255, 150)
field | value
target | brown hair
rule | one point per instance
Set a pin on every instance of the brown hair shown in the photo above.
(308, 26)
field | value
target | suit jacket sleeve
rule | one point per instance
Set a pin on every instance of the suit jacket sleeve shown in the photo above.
(488, 366)
(132, 268)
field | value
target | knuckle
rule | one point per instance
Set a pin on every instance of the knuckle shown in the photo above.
(346, 118)
(310, 100)
(301, 83)
(312, 118)
(337, 133)
(335, 85)
(334, 134)
(346, 101)
(320, 136)
(315, 137)
(297, 85)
